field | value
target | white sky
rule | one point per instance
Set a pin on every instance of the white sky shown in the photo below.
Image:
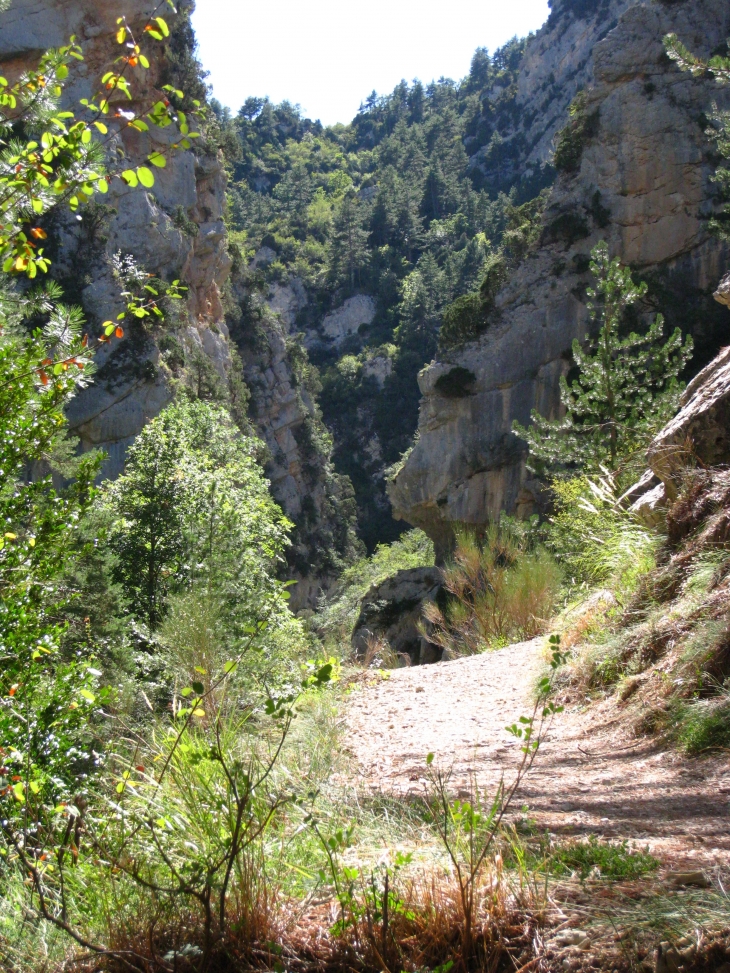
(328, 55)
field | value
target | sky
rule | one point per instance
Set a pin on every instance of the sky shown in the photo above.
(328, 55)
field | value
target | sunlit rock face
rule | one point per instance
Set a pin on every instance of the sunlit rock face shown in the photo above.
(174, 231)
(642, 183)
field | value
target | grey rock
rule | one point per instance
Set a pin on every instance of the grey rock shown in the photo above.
(699, 431)
(650, 167)
(345, 320)
(392, 610)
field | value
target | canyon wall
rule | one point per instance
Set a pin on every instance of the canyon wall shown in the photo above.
(642, 182)
(175, 230)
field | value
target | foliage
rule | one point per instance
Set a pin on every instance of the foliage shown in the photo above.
(500, 591)
(571, 140)
(337, 615)
(626, 388)
(388, 205)
(613, 860)
(463, 321)
(192, 506)
(703, 725)
(63, 160)
(594, 538)
(59, 779)
(719, 67)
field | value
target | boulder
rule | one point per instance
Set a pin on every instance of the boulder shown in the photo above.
(391, 611)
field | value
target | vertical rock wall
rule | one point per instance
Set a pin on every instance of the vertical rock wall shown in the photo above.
(643, 183)
(174, 231)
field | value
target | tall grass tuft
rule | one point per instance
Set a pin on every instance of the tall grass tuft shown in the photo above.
(501, 591)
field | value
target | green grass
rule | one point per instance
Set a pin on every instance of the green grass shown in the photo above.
(601, 859)
(703, 725)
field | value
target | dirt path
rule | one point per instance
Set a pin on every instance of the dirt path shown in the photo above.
(591, 775)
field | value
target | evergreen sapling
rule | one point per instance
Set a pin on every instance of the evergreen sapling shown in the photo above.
(626, 388)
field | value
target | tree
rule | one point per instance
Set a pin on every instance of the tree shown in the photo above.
(626, 389)
(191, 506)
(349, 242)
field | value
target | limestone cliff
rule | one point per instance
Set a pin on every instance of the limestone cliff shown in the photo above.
(641, 179)
(174, 231)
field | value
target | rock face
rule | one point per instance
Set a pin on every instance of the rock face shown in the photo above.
(391, 612)
(285, 414)
(344, 321)
(641, 180)
(557, 64)
(700, 430)
(175, 230)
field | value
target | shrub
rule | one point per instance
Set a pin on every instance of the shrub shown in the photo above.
(604, 859)
(703, 724)
(463, 321)
(595, 539)
(500, 590)
(571, 140)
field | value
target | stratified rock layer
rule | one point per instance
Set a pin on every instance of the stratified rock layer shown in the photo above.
(643, 184)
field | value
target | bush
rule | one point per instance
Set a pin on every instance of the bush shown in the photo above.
(703, 724)
(463, 321)
(500, 591)
(594, 539)
(571, 140)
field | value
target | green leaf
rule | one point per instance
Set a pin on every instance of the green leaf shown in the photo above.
(130, 177)
(145, 176)
(198, 688)
(429, 759)
(163, 26)
(157, 159)
(88, 696)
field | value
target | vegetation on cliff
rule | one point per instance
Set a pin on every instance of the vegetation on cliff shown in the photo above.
(391, 206)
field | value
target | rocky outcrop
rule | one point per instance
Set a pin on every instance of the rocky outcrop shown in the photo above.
(641, 180)
(391, 612)
(174, 231)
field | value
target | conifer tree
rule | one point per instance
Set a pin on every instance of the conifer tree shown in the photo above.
(349, 244)
(627, 386)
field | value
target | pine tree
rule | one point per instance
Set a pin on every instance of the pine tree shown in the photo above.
(719, 67)
(349, 243)
(626, 389)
